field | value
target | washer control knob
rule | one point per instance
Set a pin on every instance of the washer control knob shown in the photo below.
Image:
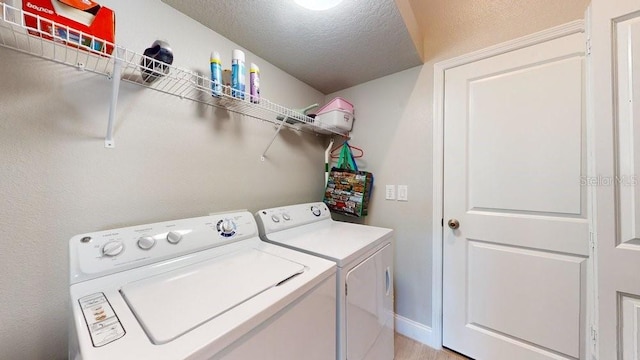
(112, 248)
(315, 210)
(226, 227)
(275, 218)
(286, 217)
(174, 237)
(146, 242)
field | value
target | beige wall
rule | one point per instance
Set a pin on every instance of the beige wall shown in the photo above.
(173, 159)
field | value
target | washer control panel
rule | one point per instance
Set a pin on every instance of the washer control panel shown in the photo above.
(277, 219)
(100, 253)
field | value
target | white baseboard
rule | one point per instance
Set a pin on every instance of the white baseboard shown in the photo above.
(416, 331)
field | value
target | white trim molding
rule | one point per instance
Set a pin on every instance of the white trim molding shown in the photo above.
(414, 330)
(573, 27)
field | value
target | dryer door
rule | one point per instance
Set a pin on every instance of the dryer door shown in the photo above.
(369, 307)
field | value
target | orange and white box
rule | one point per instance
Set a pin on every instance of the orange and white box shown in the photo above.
(81, 23)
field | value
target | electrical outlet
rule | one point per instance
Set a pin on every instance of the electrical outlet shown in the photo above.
(403, 193)
(390, 193)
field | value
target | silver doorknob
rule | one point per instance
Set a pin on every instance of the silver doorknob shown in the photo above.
(453, 224)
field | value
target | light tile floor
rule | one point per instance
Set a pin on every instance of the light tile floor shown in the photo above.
(407, 349)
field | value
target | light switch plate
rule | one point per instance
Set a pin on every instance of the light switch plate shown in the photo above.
(390, 193)
(403, 193)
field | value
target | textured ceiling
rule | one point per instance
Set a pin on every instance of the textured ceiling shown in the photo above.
(357, 41)
(361, 40)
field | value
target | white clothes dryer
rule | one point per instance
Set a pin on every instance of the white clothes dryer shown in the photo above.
(198, 288)
(364, 284)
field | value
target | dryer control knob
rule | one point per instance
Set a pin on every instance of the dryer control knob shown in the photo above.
(146, 242)
(112, 248)
(174, 237)
(275, 218)
(315, 210)
(286, 217)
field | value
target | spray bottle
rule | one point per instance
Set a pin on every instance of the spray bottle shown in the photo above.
(237, 74)
(254, 83)
(226, 82)
(216, 74)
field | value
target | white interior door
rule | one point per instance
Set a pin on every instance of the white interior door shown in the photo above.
(514, 272)
(616, 101)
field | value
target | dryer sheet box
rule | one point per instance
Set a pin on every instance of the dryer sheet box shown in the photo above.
(74, 20)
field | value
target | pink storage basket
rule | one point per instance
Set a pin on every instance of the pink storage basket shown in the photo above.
(337, 103)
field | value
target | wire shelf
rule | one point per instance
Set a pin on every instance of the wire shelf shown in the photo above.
(65, 45)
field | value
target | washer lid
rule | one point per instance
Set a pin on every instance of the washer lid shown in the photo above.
(171, 304)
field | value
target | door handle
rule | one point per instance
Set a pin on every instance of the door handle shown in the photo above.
(387, 281)
(453, 224)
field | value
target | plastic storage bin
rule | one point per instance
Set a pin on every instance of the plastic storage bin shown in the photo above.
(336, 118)
(336, 104)
(337, 113)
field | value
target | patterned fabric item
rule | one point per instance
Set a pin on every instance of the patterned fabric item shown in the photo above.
(348, 190)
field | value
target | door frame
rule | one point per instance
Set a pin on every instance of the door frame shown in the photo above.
(577, 26)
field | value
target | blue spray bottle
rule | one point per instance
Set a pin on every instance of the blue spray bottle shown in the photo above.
(216, 74)
(237, 74)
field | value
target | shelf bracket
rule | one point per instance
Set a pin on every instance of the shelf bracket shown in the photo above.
(327, 160)
(115, 88)
(264, 153)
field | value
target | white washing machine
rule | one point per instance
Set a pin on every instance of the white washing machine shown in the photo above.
(198, 288)
(364, 255)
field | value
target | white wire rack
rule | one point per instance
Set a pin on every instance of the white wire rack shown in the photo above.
(65, 45)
